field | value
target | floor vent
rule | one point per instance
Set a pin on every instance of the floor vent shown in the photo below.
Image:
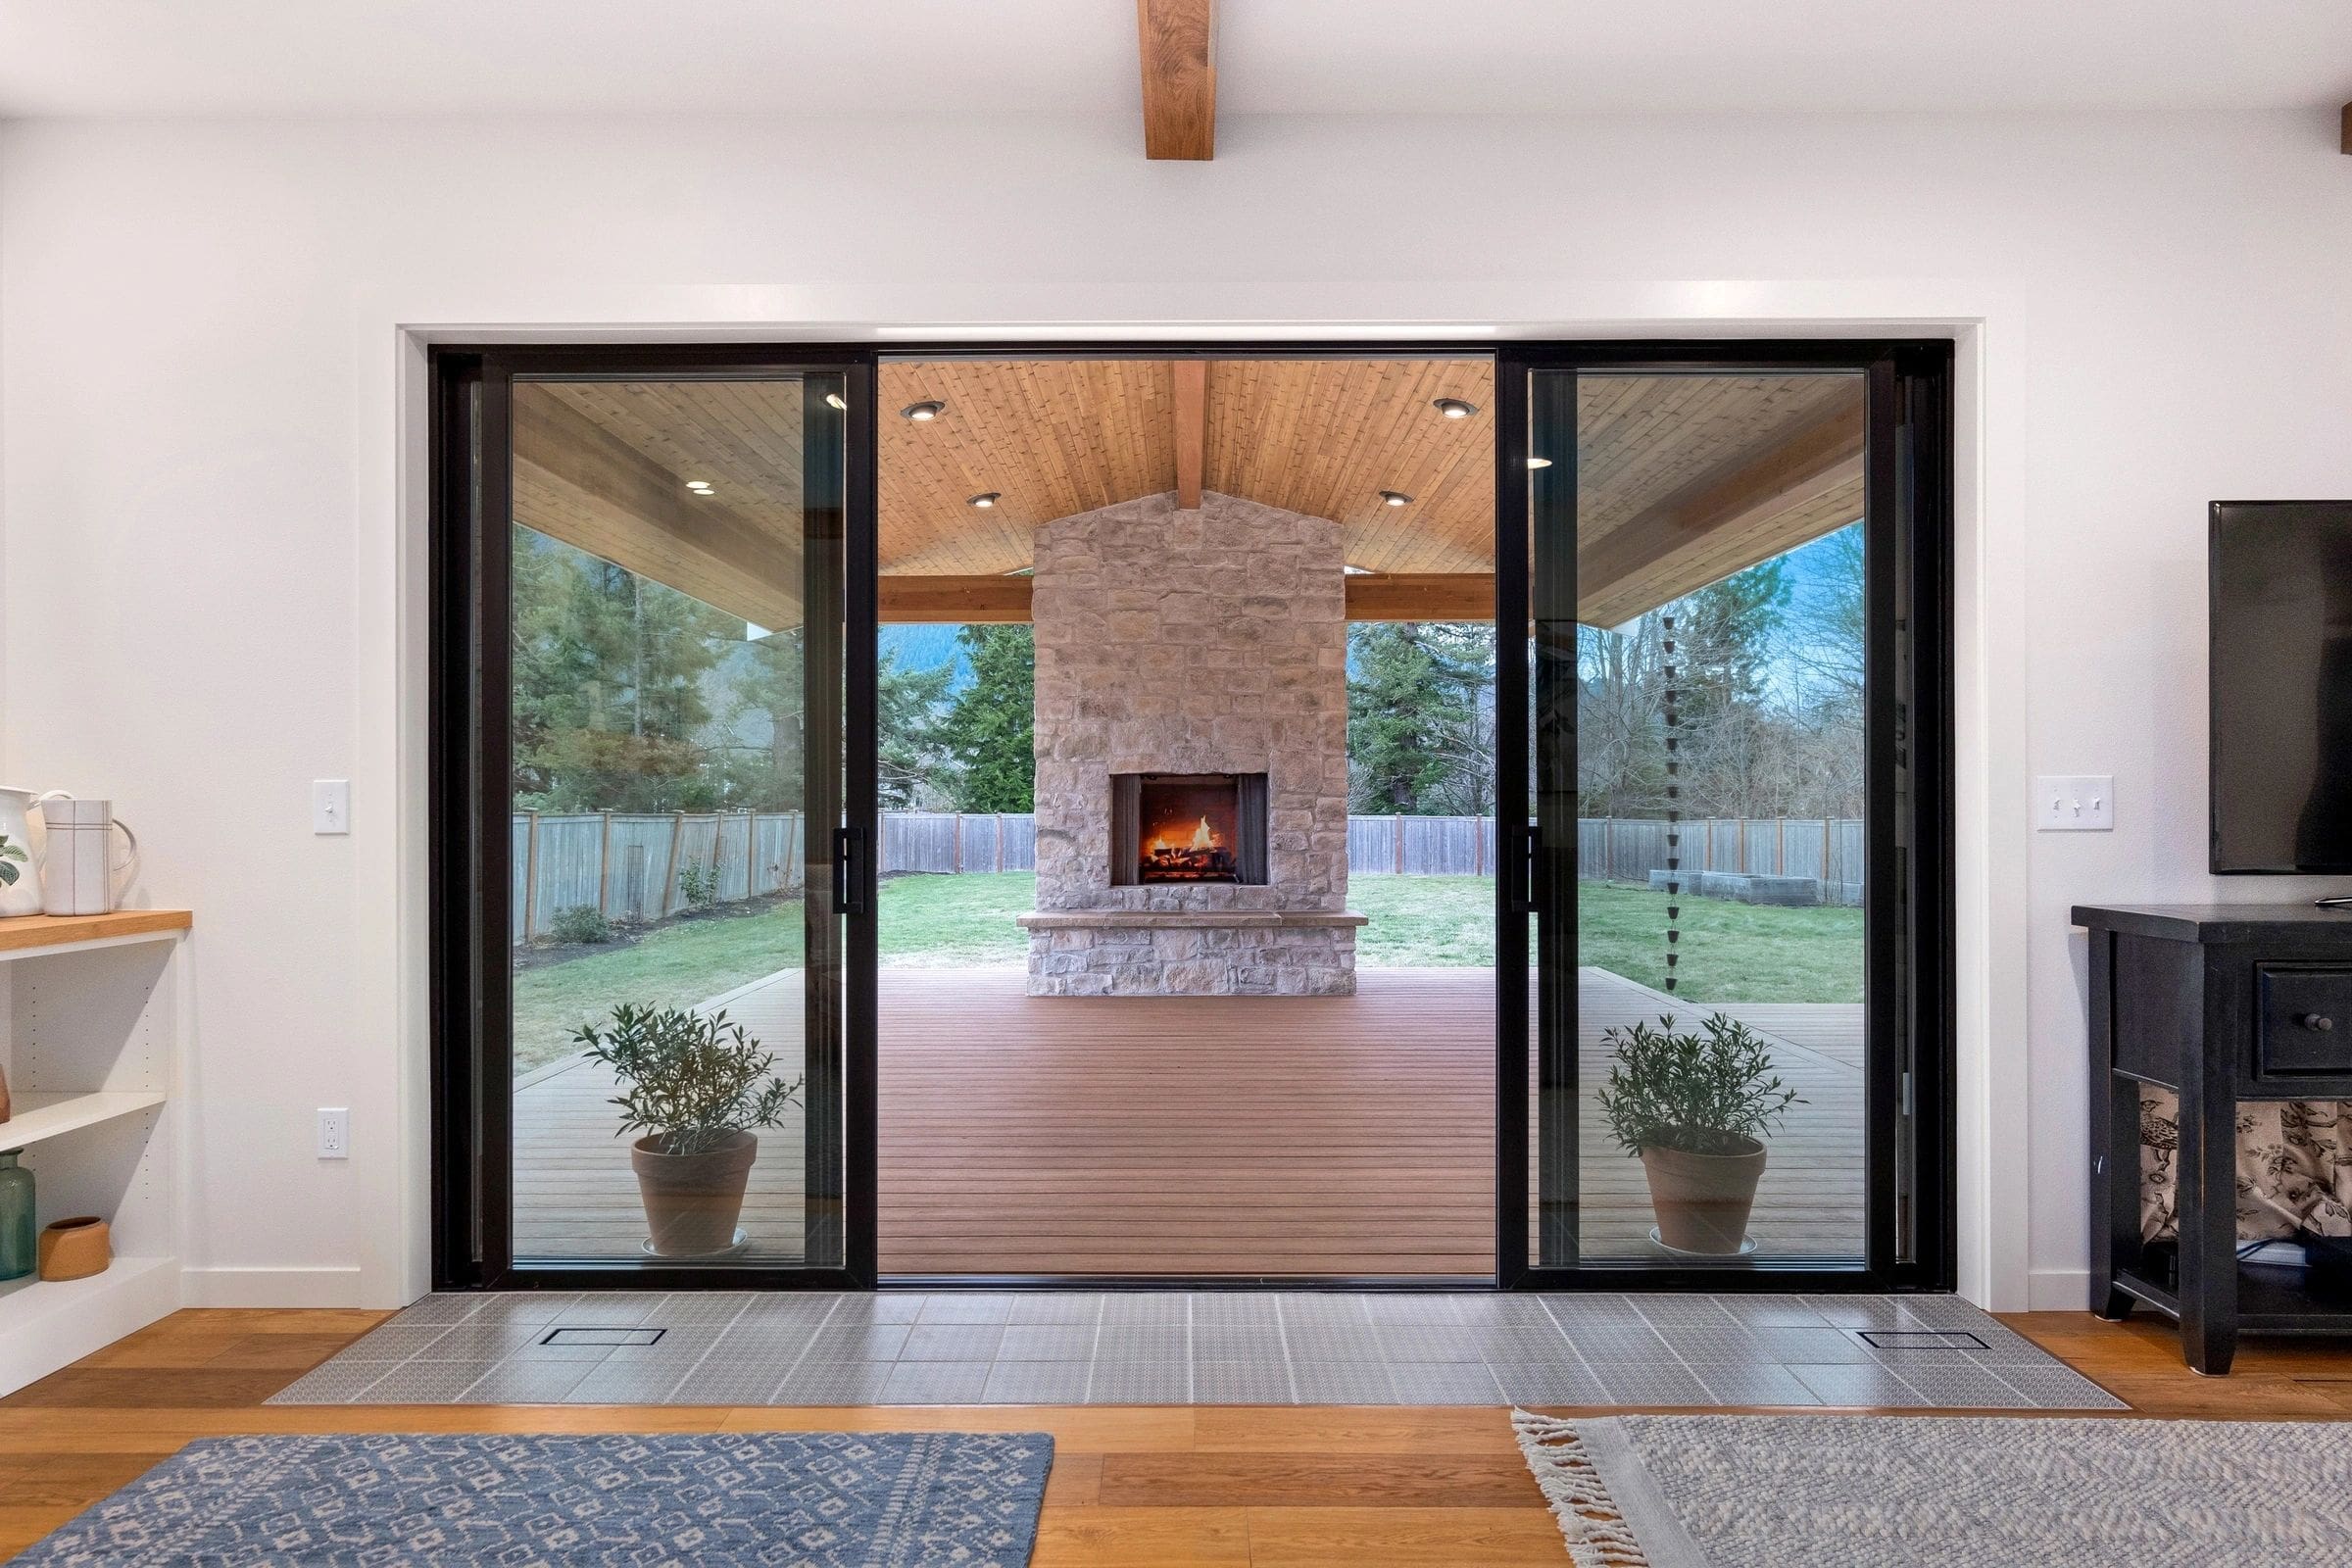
(1921, 1340)
(589, 1336)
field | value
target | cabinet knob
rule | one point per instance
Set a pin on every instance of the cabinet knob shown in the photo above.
(2317, 1020)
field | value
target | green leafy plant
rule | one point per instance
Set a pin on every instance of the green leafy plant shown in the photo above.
(1703, 1092)
(686, 1078)
(11, 856)
(698, 883)
(582, 923)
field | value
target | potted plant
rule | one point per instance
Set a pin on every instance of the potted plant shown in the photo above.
(696, 1086)
(1695, 1106)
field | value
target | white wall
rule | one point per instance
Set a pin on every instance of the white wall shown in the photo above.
(207, 510)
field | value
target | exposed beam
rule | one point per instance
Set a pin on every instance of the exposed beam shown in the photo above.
(579, 482)
(1192, 428)
(997, 601)
(2346, 143)
(955, 601)
(1421, 596)
(1178, 39)
(1724, 522)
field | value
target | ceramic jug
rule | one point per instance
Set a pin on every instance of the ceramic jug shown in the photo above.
(21, 850)
(21, 893)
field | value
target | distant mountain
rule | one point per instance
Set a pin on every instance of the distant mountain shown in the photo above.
(926, 646)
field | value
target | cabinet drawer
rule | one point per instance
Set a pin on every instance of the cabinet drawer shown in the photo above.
(2303, 1028)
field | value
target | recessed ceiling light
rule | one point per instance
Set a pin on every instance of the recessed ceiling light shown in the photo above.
(1355, 572)
(836, 400)
(1539, 463)
(1454, 408)
(1397, 498)
(700, 487)
(985, 498)
(925, 411)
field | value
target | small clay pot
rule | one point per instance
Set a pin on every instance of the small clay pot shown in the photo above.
(692, 1202)
(76, 1248)
(1703, 1201)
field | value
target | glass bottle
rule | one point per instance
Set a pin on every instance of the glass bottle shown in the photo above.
(19, 1244)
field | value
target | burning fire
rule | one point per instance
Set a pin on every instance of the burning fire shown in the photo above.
(1205, 837)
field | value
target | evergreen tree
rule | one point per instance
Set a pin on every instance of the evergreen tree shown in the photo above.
(1420, 718)
(992, 727)
(914, 768)
(608, 675)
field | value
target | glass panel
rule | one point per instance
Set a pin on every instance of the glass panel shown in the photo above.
(1702, 779)
(676, 691)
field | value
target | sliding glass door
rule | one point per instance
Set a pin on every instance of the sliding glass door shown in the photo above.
(668, 825)
(1734, 708)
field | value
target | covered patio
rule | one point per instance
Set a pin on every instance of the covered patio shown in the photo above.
(1251, 1137)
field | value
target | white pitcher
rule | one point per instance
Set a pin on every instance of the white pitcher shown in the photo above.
(18, 853)
(23, 852)
(78, 873)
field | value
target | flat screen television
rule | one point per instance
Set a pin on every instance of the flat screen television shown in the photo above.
(2282, 685)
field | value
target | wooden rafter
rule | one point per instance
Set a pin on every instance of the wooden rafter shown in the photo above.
(1800, 486)
(1178, 43)
(1190, 379)
(1378, 595)
(2347, 129)
(576, 481)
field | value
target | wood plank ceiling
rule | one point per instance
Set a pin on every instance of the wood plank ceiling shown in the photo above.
(1053, 437)
(1683, 479)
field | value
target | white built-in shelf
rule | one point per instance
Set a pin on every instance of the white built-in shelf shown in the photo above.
(44, 1324)
(30, 936)
(40, 1116)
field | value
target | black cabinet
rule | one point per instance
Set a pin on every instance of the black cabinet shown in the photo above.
(2219, 1003)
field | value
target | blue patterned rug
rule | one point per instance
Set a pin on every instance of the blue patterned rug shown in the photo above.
(777, 1499)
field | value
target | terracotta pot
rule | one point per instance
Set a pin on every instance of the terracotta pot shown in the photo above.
(692, 1202)
(1703, 1201)
(76, 1248)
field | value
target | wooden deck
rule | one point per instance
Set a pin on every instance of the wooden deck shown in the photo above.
(1233, 1136)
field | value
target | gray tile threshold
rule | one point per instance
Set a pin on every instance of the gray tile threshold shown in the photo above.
(748, 1348)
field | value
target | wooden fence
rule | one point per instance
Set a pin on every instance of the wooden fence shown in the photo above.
(644, 868)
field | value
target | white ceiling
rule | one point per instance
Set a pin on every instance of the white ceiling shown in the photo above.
(293, 57)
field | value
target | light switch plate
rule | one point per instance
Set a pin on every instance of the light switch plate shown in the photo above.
(2074, 803)
(330, 806)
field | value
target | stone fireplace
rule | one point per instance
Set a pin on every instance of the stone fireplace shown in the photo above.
(1192, 754)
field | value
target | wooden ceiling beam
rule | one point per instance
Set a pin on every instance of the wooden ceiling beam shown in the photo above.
(1190, 378)
(576, 481)
(1002, 601)
(954, 601)
(1178, 44)
(1421, 596)
(1724, 519)
(2346, 143)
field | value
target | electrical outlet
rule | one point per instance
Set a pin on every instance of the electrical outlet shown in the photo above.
(334, 1132)
(2082, 802)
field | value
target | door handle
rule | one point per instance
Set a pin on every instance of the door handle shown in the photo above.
(849, 870)
(2317, 1020)
(1525, 887)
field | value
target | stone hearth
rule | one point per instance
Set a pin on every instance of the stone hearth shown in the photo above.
(1212, 641)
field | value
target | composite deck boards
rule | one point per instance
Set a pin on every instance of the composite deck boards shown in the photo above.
(1197, 1134)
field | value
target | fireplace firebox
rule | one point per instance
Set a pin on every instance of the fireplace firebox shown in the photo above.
(1188, 828)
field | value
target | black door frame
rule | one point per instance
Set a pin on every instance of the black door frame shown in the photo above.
(471, 1135)
(1909, 1183)
(470, 854)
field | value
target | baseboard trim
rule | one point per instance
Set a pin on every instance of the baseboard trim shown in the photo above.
(270, 1286)
(2058, 1290)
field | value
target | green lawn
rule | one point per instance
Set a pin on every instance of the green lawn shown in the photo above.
(1730, 951)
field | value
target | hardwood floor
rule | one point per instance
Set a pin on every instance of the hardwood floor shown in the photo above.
(1206, 1485)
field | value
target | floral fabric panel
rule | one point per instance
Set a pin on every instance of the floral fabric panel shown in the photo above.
(2294, 1166)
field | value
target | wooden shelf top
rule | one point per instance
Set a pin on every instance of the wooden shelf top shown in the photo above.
(32, 932)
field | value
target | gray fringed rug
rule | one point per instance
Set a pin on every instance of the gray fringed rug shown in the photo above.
(1871, 1492)
(780, 1500)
